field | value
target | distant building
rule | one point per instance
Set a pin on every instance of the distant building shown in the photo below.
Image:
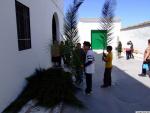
(91, 30)
(138, 34)
(27, 27)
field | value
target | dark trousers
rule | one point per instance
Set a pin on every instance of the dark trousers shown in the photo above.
(128, 55)
(63, 58)
(59, 61)
(131, 54)
(56, 60)
(107, 77)
(79, 75)
(88, 82)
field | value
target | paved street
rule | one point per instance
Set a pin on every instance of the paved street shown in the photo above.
(129, 92)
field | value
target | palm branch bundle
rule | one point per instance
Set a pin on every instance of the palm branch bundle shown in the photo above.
(49, 88)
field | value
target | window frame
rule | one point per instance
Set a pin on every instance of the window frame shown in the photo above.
(23, 26)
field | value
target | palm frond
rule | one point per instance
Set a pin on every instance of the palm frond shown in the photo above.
(70, 22)
(70, 27)
(106, 22)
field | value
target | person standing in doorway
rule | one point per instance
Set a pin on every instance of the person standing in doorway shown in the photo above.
(55, 52)
(89, 66)
(62, 47)
(108, 67)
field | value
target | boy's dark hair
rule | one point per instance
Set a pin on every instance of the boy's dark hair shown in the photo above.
(78, 43)
(87, 44)
(148, 40)
(84, 42)
(109, 48)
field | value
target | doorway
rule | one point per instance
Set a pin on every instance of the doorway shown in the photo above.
(99, 39)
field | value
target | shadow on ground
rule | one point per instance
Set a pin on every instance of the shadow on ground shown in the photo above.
(126, 95)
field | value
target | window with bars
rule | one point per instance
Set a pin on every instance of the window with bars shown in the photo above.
(23, 26)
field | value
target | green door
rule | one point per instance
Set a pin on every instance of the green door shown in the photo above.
(99, 39)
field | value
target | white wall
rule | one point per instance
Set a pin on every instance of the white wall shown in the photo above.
(86, 27)
(138, 36)
(16, 65)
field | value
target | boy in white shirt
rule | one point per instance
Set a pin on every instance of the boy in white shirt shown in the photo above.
(89, 66)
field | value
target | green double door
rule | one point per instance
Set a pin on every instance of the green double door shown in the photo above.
(99, 39)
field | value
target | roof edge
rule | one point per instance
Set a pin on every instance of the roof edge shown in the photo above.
(136, 26)
(95, 20)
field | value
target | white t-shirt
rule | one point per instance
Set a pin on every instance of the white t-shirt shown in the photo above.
(90, 57)
(128, 46)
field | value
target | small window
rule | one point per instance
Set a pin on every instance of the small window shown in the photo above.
(23, 26)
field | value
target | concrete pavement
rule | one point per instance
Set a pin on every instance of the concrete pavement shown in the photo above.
(129, 92)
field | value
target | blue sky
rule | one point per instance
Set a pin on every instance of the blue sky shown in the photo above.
(129, 11)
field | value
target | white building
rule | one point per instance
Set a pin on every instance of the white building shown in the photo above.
(27, 27)
(138, 34)
(88, 25)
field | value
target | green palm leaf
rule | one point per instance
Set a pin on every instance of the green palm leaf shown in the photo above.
(70, 27)
(106, 22)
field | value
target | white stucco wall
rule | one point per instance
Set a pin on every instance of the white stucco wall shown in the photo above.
(138, 36)
(86, 27)
(16, 65)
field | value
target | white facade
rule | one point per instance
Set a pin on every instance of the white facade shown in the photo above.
(87, 24)
(16, 65)
(138, 34)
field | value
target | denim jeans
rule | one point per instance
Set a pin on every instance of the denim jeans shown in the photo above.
(144, 70)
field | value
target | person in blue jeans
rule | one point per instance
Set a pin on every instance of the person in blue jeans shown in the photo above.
(146, 59)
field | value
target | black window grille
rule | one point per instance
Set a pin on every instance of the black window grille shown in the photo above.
(23, 26)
